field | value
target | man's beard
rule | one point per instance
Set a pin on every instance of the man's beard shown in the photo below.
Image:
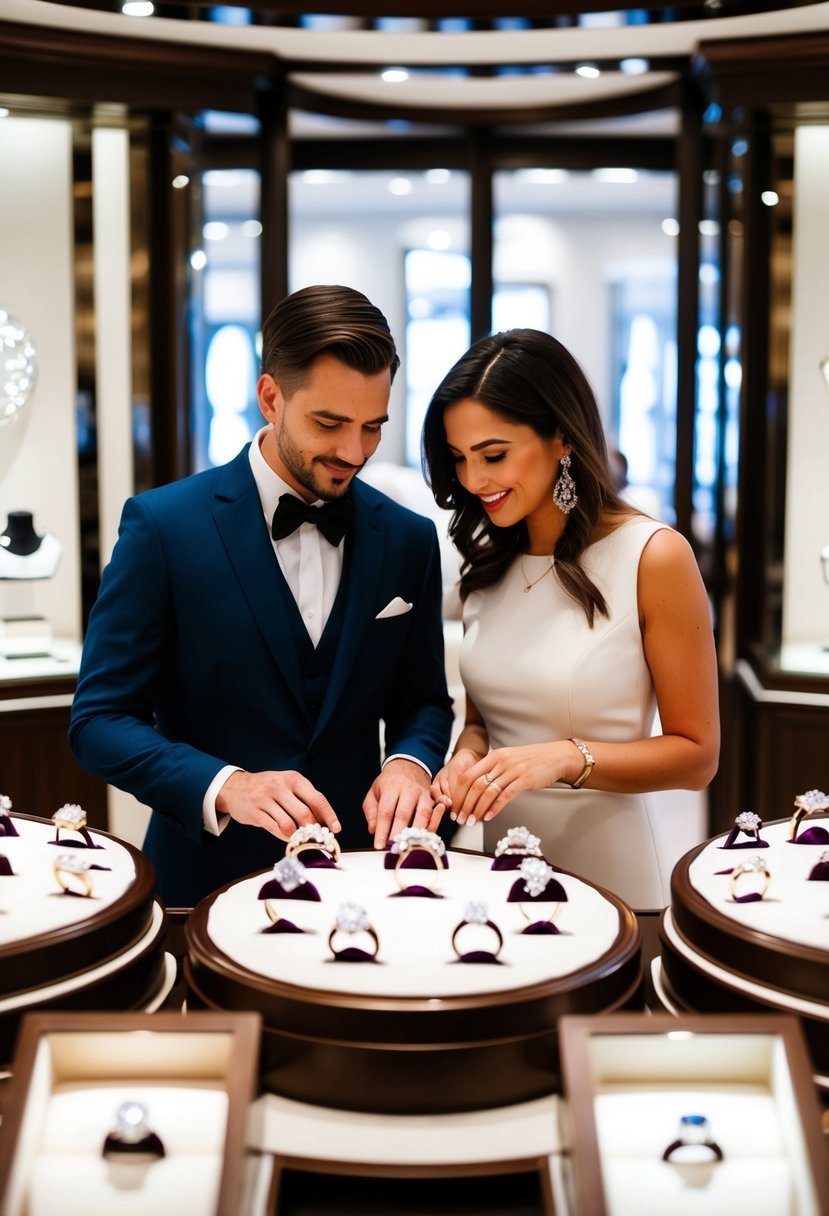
(305, 474)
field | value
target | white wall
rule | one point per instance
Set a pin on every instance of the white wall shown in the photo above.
(806, 596)
(38, 451)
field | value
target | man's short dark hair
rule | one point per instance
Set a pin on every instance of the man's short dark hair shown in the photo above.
(325, 320)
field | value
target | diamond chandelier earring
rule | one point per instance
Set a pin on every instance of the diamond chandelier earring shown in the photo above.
(564, 491)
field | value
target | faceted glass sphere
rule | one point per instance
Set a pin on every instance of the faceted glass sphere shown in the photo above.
(18, 366)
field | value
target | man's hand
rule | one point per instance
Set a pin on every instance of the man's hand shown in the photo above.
(279, 802)
(400, 798)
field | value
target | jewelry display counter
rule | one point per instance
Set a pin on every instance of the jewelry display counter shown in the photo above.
(415, 1030)
(80, 927)
(128, 1113)
(751, 933)
(689, 1115)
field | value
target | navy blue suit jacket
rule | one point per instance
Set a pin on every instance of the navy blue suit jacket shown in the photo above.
(192, 660)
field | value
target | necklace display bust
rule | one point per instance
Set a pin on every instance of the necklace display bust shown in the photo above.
(25, 553)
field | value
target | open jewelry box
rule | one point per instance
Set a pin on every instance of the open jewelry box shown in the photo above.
(742, 1082)
(73, 1072)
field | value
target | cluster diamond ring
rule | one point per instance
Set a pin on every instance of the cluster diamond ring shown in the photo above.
(70, 818)
(476, 918)
(352, 922)
(693, 1143)
(316, 837)
(813, 802)
(73, 874)
(749, 880)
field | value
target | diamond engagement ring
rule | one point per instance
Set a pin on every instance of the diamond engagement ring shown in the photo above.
(7, 827)
(73, 875)
(519, 842)
(315, 837)
(813, 802)
(289, 876)
(749, 881)
(132, 1132)
(71, 818)
(693, 1143)
(537, 883)
(413, 840)
(352, 921)
(475, 918)
(747, 824)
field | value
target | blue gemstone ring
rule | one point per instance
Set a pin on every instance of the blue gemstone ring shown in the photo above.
(693, 1144)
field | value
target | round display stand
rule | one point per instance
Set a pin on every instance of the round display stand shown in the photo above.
(416, 1031)
(61, 951)
(772, 954)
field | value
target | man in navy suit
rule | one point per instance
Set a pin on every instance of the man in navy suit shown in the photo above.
(241, 658)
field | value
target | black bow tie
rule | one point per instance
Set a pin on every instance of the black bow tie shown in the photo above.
(333, 519)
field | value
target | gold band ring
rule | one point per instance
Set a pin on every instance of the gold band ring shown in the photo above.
(753, 873)
(400, 877)
(72, 873)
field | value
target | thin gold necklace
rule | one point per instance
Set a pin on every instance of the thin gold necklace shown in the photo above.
(528, 586)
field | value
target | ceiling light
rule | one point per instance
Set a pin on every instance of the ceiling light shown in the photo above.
(709, 228)
(670, 227)
(180, 181)
(394, 75)
(400, 186)
(439, 239)
(770, 197)
(541, 177)
(215, 230)
(634, 67)
(137, 8)
(588, 70)
(198, 259)
(618, 176)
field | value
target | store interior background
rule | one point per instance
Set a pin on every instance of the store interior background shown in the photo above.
(590, 253)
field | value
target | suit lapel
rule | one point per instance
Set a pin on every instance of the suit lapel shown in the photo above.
(238, 516)
(367, 555)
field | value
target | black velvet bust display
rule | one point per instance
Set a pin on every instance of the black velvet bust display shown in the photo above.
(25, 553)
(19, 536)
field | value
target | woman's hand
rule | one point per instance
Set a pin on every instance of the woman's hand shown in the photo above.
(485, 787)
(446, 781)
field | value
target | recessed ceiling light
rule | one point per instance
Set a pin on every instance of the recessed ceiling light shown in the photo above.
(394, 75)
(588, 70)
(618, 176)
(709, 228)
(137, 8)
(634, 67)
(770, 197)
(198, 259)
(215, 230)
(541, 177)
(670, 227)
(400, 185)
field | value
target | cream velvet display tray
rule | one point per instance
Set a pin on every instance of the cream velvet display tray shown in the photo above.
(415, 1031)
(65, 950)
(721, 955)
(629, 1082)
(194, 1076)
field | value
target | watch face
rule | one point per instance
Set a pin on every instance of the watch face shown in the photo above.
(18, 364)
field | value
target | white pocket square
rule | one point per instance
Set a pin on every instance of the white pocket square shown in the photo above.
(395, 607)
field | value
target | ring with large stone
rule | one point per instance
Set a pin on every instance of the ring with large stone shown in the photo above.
(352, 922)
(132, 1132)
(693, 1144)
(537, 891)
(519, 842)
(72, 873)
(71, 818)
(747, 824)
(314, 839)
(407, 845)
(7, 827)
(749, 881)
(476, 919)
(813, 803)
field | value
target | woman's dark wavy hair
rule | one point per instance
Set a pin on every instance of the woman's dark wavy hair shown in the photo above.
(529, 378)
(325, 319)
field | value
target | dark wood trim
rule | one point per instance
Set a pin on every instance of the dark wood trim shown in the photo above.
(136, 71)
(760, 72)
(481, 243)
(276, 164)
(318, 101)
(689, 188)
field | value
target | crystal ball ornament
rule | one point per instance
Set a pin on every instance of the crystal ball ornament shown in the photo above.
(18, 366)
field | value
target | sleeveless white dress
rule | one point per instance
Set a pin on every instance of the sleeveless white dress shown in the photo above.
(536, 671)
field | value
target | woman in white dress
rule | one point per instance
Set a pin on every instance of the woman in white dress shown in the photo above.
(581, 617)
